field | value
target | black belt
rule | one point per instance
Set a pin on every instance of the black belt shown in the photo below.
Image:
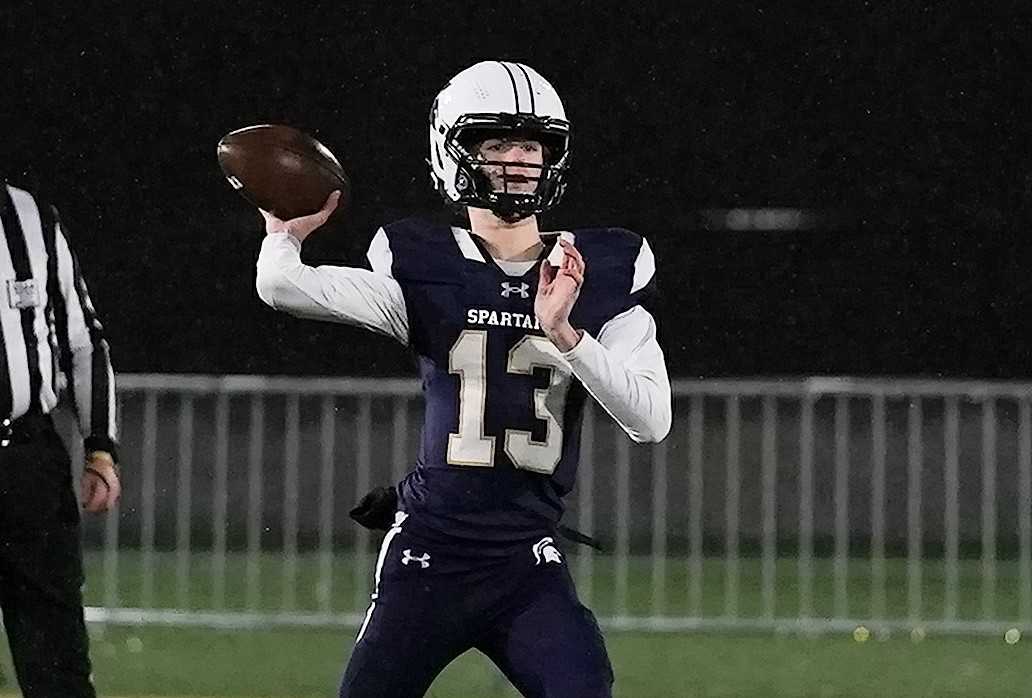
(376, 511)
(24, 429)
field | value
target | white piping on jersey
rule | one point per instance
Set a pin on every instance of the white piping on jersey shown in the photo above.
(555, 257)
(467, 246)
(515, 268)
(644, 267)
(469, 249)
(380, 257)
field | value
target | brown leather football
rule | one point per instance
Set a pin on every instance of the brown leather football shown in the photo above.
(281, 169)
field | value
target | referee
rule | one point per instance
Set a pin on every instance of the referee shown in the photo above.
(52, 339)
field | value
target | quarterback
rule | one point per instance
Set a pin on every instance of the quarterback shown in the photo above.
(514, 329)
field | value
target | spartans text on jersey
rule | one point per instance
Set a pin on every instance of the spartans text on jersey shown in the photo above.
(497, 318)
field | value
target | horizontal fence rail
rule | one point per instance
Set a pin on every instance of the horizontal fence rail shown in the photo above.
(812, 505)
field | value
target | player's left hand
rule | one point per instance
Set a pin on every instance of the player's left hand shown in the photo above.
(558, 289)
(100, 485)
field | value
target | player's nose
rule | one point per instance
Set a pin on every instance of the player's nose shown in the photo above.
(518, 157)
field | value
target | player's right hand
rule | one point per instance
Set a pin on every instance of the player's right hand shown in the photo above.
(302, 226)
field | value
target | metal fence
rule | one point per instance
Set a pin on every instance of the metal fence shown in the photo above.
(818, 504)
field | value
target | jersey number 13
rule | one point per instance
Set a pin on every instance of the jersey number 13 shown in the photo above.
(470, 446)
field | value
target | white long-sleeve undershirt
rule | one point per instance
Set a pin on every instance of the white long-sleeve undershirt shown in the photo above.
(348, 295)
(623, 368)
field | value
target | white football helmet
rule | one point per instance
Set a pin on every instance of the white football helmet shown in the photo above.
(496, 99)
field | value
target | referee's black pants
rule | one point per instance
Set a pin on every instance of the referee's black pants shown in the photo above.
(41, 573)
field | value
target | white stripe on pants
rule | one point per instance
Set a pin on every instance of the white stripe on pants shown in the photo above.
(399, 518)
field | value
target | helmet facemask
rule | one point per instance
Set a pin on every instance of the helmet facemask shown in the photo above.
(509, 197)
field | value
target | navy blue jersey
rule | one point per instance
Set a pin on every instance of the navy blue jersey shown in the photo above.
(501, 436)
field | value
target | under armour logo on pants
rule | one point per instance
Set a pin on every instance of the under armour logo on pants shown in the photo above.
(407, 557)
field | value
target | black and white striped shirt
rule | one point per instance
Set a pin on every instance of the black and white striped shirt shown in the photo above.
(52, 338)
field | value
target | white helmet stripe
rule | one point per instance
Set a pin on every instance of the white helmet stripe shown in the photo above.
(512, 79)
(530, 88)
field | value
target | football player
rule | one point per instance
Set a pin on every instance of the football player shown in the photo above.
(514, 329)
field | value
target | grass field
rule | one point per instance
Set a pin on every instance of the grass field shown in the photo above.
(298, 663)
(307, 663)
(302, 587)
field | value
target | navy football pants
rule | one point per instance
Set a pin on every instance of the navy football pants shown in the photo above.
(520, 609)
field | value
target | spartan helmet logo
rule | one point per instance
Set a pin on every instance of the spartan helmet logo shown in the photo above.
(545, 551)
(509, 288)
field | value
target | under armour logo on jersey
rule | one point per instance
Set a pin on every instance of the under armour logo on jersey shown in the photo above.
(407, 557)
(509, 288)
(545, 551)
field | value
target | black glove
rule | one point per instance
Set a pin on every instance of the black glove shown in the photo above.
(376, 510)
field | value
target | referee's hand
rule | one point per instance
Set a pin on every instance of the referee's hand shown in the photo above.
(100, 486)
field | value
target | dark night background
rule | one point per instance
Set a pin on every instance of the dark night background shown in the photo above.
(901, 119)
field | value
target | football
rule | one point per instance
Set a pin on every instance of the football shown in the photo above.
(281, 169)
